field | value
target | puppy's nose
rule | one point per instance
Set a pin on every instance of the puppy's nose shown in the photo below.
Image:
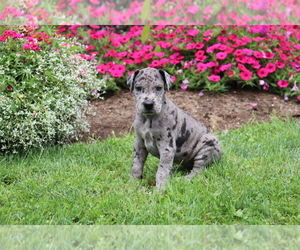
(148, 105)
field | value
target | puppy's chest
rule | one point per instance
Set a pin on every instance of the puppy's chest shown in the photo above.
(150, 137)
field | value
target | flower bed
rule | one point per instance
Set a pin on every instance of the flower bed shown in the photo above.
(212, 58)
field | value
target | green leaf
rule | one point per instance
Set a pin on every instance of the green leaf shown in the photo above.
(145, 10)
(157, 49)
(145, 33)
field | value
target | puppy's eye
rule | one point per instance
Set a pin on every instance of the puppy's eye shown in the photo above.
(158, 88)
(138, 89)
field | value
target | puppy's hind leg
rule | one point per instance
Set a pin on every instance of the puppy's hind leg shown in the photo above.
(204, 159)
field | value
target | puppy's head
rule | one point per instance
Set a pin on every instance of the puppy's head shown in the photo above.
(148, 87)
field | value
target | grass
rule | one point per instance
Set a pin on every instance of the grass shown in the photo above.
(256, 182)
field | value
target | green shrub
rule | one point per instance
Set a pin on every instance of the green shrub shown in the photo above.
(44, 87)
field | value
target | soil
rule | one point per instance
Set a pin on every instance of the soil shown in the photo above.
(115, 113)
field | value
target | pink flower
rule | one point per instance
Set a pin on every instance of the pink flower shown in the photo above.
(90, 47)
(9, 88)
(164, 61)
(116, 43)
(184, 86)
(241, 59)
(214, 78)
(188, 65)
(154, 64)
(191, 46)
(283, 83)
(225, 67)
(95, 26)
(258, 54)
(99, 34)
(201, 93)
(298, 97)
(160, 54)
(31, 45)
(256, 65)
(269, 55)
(102, 68)
(149, 55)
(121, 54)
(94, 2)
(262, 72)
(193, 32)
(199, 45)
(192, 9)
(186, 81)
(271, 67)
(117, 70)
(247, 51)
(211, 64)
(242, 67)
(170, 36)
(280, 64)
(253, 104)
(128, 61)
(266, 86)
(238, 52)
(207, 10)
(221, 55)
(208, 33)
(246, 75)
(201, 67)
(165, 45)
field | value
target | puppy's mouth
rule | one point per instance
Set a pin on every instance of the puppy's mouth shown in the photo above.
(149, 112)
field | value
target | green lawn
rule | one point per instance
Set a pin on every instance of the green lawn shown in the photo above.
(256, 182)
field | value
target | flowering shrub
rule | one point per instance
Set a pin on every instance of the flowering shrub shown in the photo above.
(43, 90)
(212, 58)
(120, 12)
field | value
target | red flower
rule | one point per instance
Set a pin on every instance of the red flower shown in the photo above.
(283, 83)
(263, 72)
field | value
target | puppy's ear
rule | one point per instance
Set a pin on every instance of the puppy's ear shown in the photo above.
(130, 79)
(166, 77)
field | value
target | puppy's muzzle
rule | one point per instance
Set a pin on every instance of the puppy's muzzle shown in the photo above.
(148, 105)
